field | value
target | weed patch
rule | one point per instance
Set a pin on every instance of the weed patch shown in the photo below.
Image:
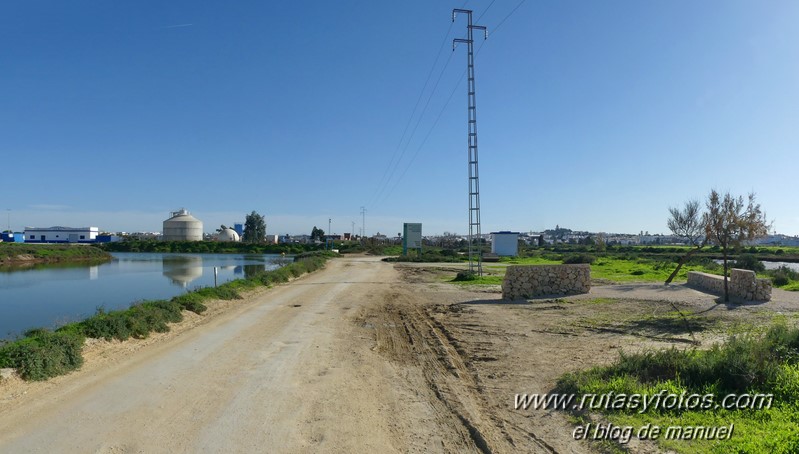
(42, 354)
(745, 365)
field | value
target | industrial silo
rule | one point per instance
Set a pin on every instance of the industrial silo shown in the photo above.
(183, 227)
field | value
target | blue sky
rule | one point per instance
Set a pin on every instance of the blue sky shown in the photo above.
(591, 115)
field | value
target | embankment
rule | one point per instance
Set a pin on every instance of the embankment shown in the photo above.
(21, 254)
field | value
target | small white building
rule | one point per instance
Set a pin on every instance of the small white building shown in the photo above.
(59, 234)
(505, 244)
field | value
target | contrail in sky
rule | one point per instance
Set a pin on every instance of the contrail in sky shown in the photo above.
(178, 26)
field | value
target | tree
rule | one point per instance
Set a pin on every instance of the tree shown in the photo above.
(687, 224)
(221, 227)
(729, 221)
(317, 234)
(254, 228)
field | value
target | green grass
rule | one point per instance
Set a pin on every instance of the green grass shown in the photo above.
(600, 301)
(52, 252)
(641, 270)
(767, 363)
(791, 287)
(535, 260)
(621, 268)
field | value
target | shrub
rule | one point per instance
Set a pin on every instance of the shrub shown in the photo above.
(43, 354)
(749, 262)
(579, 258)
(106, 325)
(191, 302)
(138, 321)
(465, 276)
(779, 279)
(783, 276)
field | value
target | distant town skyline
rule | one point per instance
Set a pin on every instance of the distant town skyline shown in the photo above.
(129, 221)
(591, 115)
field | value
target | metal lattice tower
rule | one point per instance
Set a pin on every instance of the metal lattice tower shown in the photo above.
(475, 250)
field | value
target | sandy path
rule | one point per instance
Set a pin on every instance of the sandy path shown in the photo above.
(288, 371)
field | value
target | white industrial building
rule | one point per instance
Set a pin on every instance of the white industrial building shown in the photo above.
(505, 244)
(59, 234)
(228, 234)
(182, 226)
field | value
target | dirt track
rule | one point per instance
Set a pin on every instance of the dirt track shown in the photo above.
(360, 357)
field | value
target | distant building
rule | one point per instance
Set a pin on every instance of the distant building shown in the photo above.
(505, 243)
(108, 239)
(15, 237)
(59, 234)
(182, 226)
(228, 235)
(239, 228)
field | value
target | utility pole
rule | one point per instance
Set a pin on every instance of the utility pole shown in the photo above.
(475, 250)
(352, 231)
(363, 222)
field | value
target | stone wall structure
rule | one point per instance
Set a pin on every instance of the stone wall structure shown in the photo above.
(743, 284)
(537, 280)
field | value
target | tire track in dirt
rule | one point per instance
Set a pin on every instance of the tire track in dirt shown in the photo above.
(408, 333)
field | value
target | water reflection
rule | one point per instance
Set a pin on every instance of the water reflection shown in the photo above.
(44, 296)
(182, 269)
(252, 270)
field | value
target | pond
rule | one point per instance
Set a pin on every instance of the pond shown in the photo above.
(51, 296)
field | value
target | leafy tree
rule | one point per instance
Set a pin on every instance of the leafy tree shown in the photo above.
(254, 228)
(687, 224)
(599, 243)
(729, 221)
(317, 234)
(221, 227)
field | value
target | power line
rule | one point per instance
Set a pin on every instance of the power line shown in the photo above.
(413, 112)
(377, 197)
(391, 167)
(494, 30)
(416, 126)
(485, 10)
(430, 131)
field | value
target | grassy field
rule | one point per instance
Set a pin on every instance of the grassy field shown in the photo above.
(749, 384)
(619, 264)
(619, 268)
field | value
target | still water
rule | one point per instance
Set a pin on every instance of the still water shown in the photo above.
(768, 265)
(53, 296)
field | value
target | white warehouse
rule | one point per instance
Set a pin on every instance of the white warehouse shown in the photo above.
(505, 243)
(60, 234)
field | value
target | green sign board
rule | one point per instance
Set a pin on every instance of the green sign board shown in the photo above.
(411, 237)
